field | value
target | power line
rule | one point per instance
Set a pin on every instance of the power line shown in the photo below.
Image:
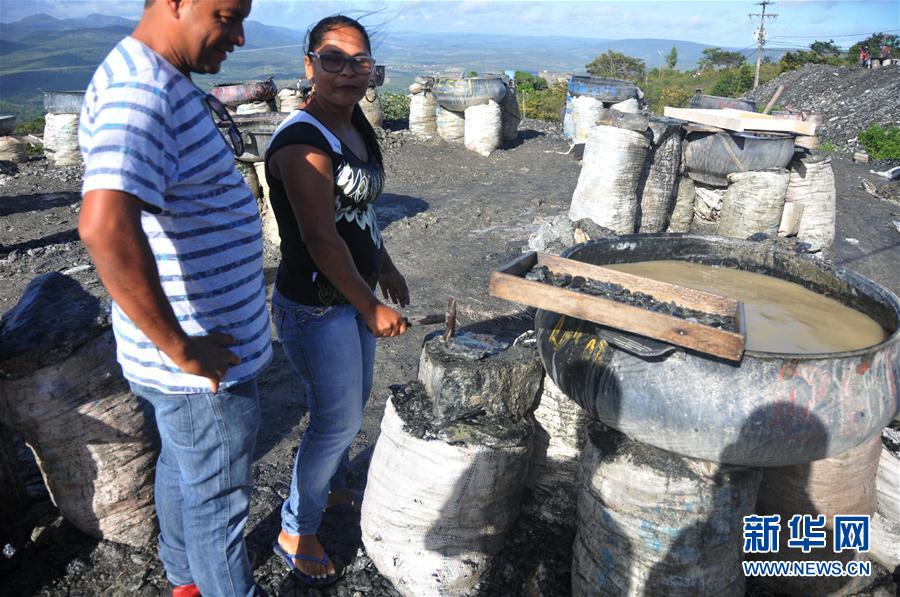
(831, 36)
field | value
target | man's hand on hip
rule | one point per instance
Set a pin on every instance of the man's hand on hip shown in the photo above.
(207, 356)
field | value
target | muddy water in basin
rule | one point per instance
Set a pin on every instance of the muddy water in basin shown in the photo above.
(781, 316)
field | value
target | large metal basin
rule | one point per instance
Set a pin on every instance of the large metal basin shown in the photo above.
(257, 131)
(716, 102)
(63, 102)
(710, 157)
(458, 94)
(605, 90)
(233, 94)
(7, 124)
(768, 410)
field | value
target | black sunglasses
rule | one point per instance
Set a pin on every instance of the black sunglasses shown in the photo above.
(332, 62)
(218, 108)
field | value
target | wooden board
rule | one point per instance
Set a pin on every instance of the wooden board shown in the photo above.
(741, 120)
(508, 283)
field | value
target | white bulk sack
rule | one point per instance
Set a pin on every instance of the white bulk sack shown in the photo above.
(607, 186)
(811, 185)
(67, 151)
(753, 203)
(253, 108)
(451, 126)
(91, 442)
(269, 224)
(658, 193)
(655, 523)
(683, 212)
(585, 113)
(630, 106)
(434, 514)
(371, 107)
(12, 150)
(49, 134)
(558, 438)
(484, 128)
(423, 114)
(509, 105)
(289, 100)
(707, 202)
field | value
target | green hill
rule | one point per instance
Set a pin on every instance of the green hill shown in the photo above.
(41, 52)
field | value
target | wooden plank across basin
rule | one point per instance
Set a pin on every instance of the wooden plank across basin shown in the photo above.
(509, 283)
(741, 120)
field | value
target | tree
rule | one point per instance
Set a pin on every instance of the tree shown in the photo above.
(471, 73)
(528, 82)
(734, 81)
(825, 48)
(617, 65)
(672, 58)
(820, 52)
(718, 58)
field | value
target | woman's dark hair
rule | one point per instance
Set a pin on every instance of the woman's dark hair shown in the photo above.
(314, 39)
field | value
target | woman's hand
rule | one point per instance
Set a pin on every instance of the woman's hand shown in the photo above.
(385, 322)
(393, 286)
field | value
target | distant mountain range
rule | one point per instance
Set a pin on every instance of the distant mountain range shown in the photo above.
(42, 52)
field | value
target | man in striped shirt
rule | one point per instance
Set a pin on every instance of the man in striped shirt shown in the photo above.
(176, 238)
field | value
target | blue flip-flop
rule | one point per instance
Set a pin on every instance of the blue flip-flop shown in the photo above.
(306, 579)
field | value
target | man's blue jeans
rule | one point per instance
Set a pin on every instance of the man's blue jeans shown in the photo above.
(203, 483)
(333, 352)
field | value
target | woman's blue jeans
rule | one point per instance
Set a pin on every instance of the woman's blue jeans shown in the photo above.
(203, 483)
(333, 352)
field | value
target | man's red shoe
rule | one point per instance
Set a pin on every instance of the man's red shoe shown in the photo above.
(190, 590)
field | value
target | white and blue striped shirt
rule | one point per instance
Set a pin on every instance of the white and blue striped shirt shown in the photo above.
(145, 130)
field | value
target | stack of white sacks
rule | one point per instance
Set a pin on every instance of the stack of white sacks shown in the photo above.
(481, 128)
(633, 180)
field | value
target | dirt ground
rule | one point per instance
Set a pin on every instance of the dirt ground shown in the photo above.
(449, 218)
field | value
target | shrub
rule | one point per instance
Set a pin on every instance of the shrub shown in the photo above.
(543, 104)
(35, 126)
(395, 106)
(734, 81)
(676, 97)
(34, 150)
(881, 143)
(827, 147)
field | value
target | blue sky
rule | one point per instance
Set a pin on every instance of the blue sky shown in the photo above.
(721, 22)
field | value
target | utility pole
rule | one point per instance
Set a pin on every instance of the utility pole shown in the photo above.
(761, 35)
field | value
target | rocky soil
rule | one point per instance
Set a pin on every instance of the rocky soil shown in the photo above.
(450, 217)
(848, 98)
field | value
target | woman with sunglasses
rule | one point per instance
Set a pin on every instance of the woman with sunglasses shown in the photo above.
(324, 169)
